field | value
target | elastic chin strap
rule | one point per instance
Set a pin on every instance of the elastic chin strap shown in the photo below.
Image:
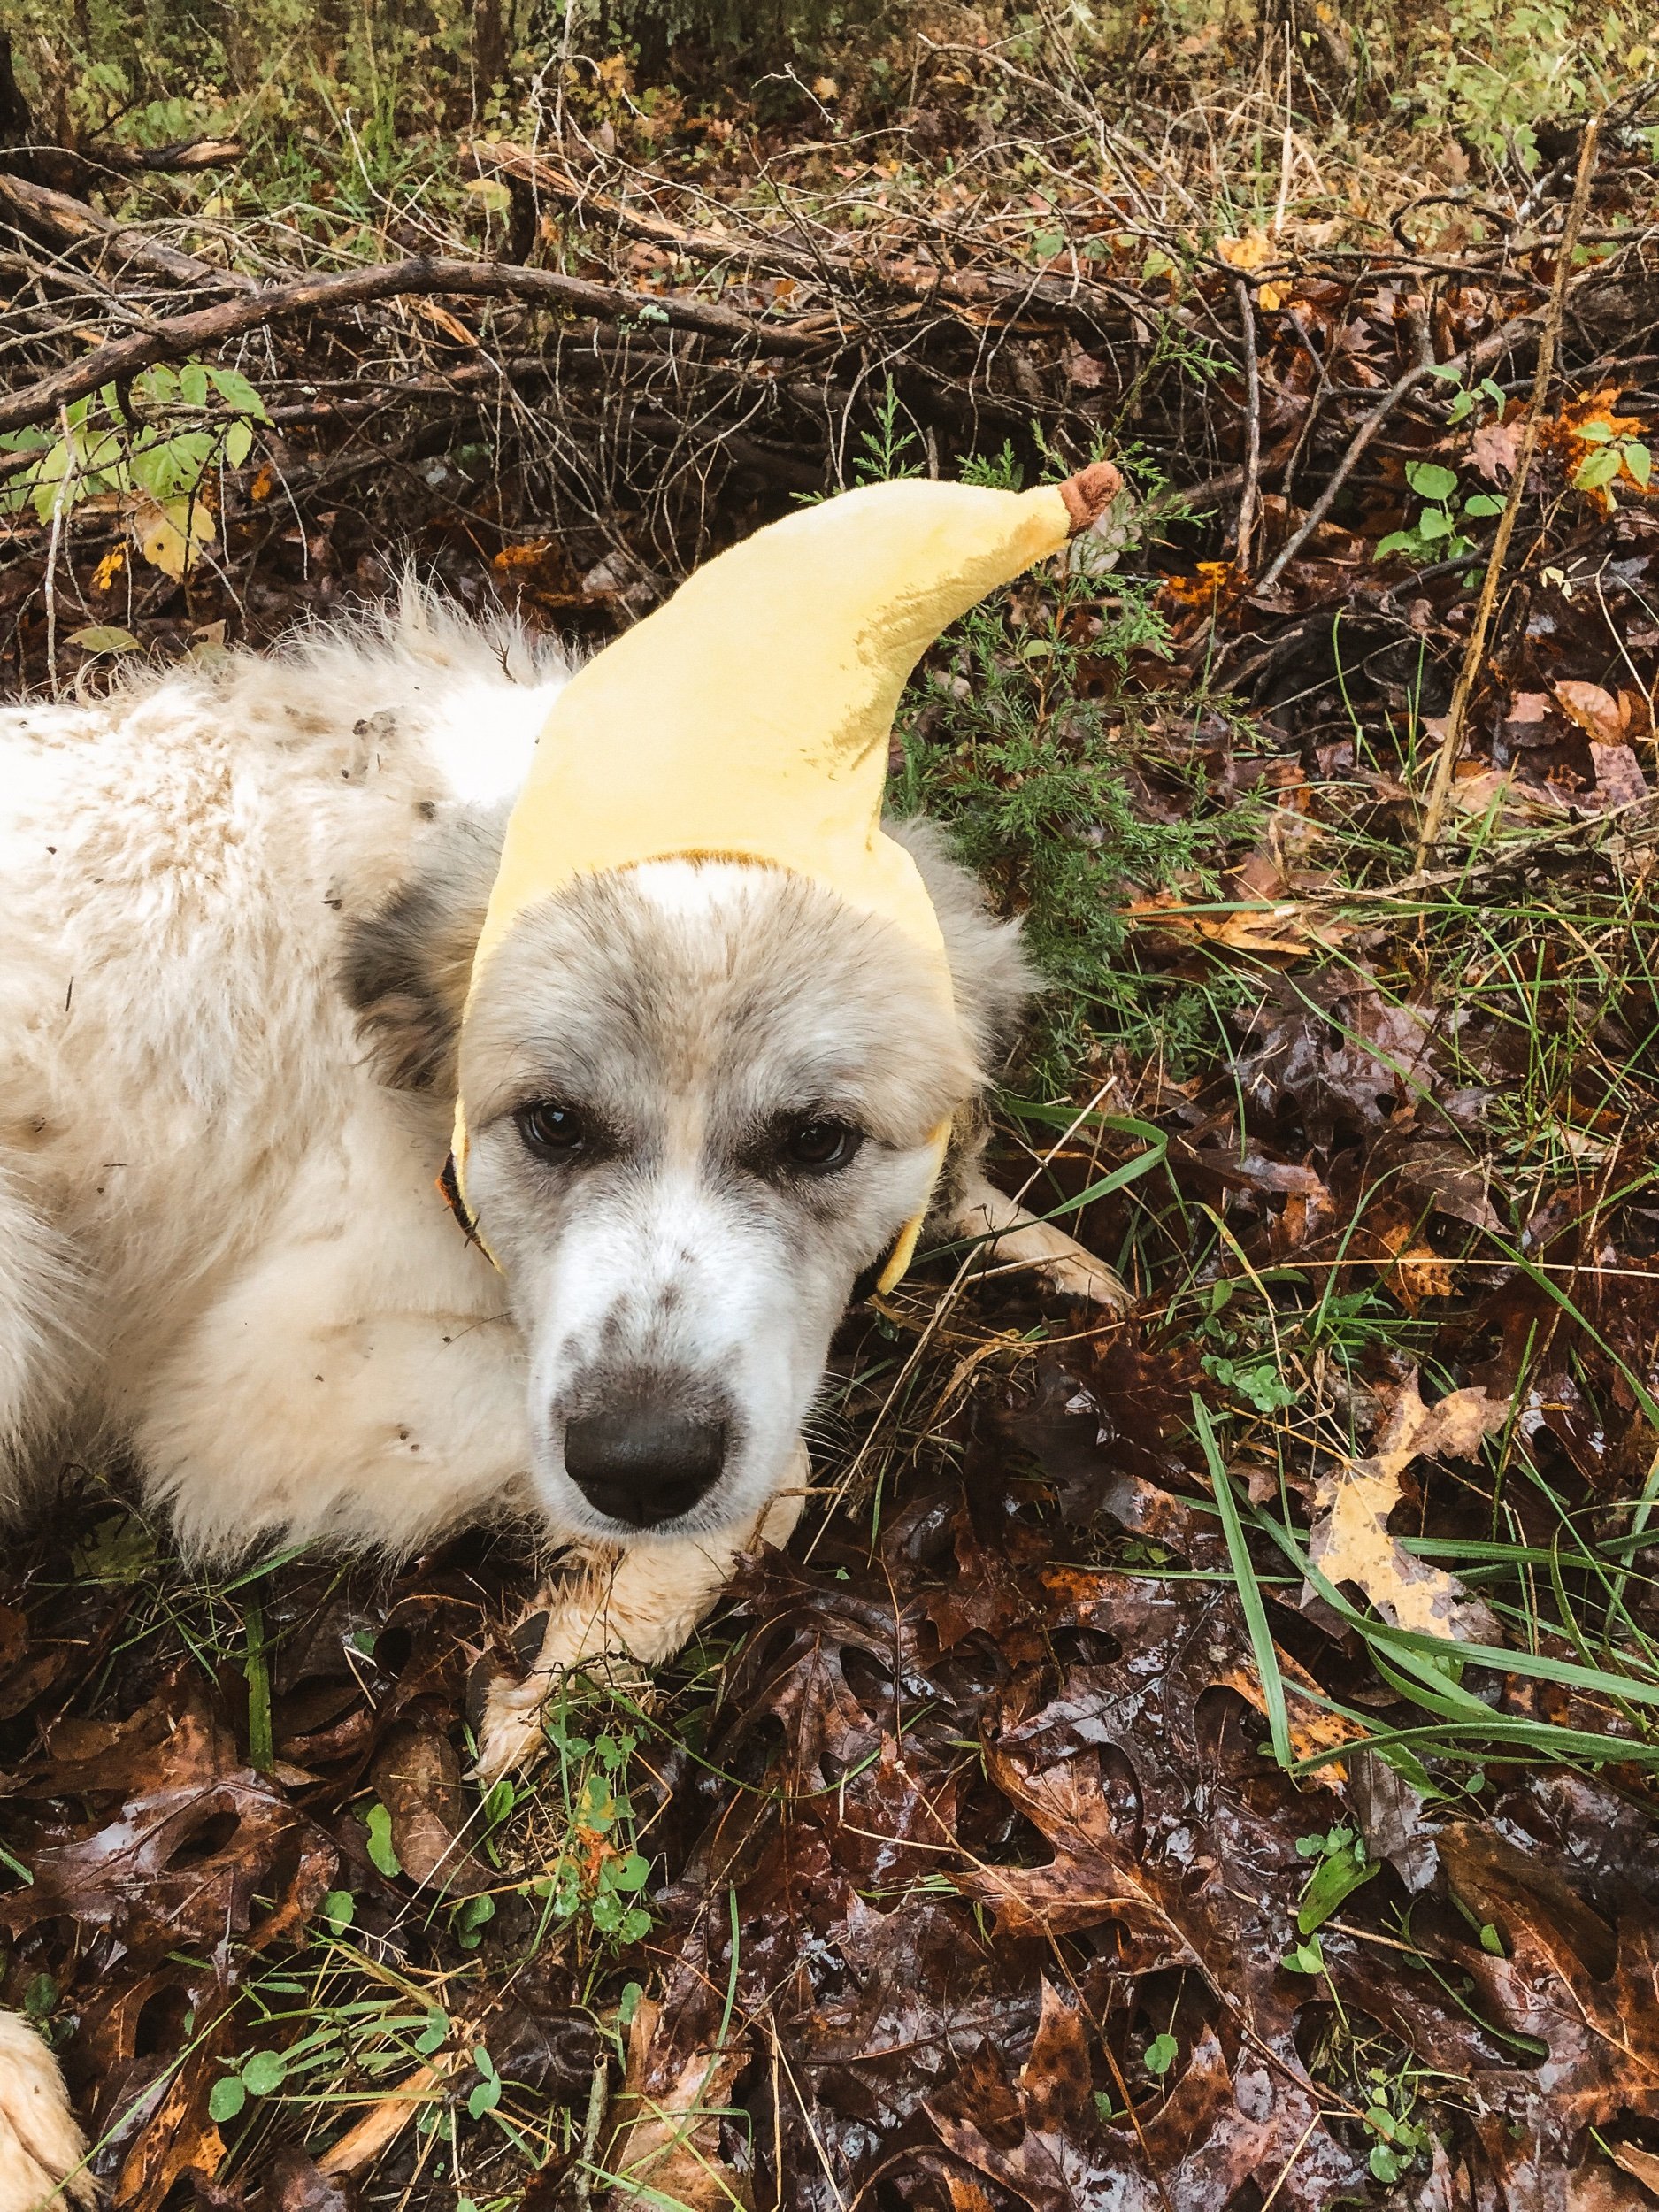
(896, 1265)
(879, 1280)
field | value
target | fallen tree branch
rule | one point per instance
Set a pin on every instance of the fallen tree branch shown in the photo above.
(72, 222)
(1474, 654)
(185, 335)
(184, 154)
(971, 289)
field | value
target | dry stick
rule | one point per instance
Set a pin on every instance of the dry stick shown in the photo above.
(978, 289)
(578, 2191)
(1252, 429)
(71, 220)
(64, 484)
(354, 288)
(1469, 675)
(1476, 356)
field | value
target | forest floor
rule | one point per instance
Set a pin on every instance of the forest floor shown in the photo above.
(1195, 1762)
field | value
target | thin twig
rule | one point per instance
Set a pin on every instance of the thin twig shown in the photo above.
(973, 288)
(1474, 653)
(65, 483)
(578, 2192)
(1252, 429)
(1361, 437)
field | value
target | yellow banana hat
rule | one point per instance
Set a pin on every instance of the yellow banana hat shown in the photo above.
(749, 717)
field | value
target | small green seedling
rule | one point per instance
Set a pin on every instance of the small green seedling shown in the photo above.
(487, 2095)
(1597, 470)
(339, 1909)
(1467, 396)
(260, 2074)
(472, 1915)
(1435, 536)
(383, 1851)
(1307, 1957)
(1341, 1867)
(1401, 2137)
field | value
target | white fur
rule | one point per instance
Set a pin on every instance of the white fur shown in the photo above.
(40, 2147)
(221, 1244)
(218, 1235)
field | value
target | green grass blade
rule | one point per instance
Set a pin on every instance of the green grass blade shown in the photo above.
(1250, 1590)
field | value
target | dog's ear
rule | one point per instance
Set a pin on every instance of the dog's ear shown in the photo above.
(990, 976)
(407, 968)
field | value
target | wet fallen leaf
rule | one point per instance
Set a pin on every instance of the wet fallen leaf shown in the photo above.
(170, 533)
(665, 2140)
(417, 1775)
(1350, 1542)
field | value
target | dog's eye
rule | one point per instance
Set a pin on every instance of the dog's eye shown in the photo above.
(550, 1131)
(819, 1148)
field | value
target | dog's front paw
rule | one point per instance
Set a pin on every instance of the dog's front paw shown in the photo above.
(510, 1736)
(42, 2153)
(612, 1616)
(1076, 1273)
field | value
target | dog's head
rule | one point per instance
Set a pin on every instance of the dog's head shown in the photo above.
(701, 1099)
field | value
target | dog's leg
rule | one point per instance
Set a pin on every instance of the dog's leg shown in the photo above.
(39, 1352)
(384, 1428)
(43, 2152)
(979, 1210)
(638, 1604)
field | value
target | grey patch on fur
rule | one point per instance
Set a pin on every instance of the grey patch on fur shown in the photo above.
(406, 968)
(989, 973)
(990, 976)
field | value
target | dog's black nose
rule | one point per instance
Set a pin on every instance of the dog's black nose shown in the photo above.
(644, 1465)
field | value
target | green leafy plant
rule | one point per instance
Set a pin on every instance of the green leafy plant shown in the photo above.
(1491, 71)
(1435, 535)
(1340, 1867)
(595, 1875)
(154, 451)
(1247, 1359)
(1614, 451)
(1389, 2101)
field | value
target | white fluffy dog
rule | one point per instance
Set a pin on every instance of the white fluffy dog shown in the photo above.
(239, 903)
